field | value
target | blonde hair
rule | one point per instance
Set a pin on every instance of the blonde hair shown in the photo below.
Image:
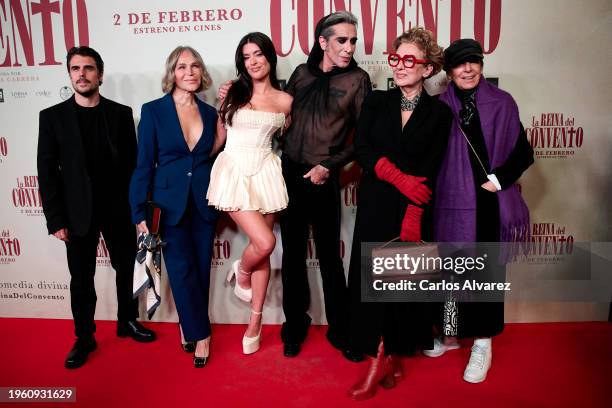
(424, 39)
(169, 78)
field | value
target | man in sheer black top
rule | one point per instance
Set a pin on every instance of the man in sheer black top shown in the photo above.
(328, 91)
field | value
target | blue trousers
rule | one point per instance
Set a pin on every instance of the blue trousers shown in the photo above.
(187, 255)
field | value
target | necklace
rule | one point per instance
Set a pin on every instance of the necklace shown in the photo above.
(409, 104)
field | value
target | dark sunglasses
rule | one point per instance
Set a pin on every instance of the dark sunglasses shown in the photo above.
(408, 60)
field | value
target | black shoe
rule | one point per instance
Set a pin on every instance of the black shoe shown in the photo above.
(79, 352)
(189, 347)
(135, 330)
(352, 355)
(291, 349)
(199, 362)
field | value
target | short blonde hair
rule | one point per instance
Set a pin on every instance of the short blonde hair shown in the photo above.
(169, 78)
(424, 39)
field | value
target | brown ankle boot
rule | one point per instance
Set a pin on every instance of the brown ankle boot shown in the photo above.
(366, 387)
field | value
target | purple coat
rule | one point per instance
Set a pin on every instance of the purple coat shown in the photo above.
(455, 208)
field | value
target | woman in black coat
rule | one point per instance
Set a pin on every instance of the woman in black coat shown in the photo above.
(400, 142)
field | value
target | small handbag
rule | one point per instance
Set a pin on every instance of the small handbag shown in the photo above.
(419, 253)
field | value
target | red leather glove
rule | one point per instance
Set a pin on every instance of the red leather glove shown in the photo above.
(411, 225)
(410, 186)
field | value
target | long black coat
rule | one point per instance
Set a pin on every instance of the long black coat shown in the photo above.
(65, 186)
(418, 150)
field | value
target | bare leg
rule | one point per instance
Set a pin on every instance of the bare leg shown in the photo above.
(256, 259)
(202, 347)
(259, 282)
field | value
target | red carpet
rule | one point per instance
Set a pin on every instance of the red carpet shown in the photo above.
(534, 365)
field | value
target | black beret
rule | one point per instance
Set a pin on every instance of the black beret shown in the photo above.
(461, 51)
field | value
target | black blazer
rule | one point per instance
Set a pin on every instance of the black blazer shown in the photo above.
(418, 150)
(65, 185)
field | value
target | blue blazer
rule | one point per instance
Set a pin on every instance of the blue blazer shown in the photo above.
(166, 167)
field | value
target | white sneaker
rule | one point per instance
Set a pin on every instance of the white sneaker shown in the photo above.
(440, 348)
(479, 364)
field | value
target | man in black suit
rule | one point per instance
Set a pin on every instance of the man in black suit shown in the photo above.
(86, 155)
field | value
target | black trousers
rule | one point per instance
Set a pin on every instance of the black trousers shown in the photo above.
(120, 238)
(319, 206)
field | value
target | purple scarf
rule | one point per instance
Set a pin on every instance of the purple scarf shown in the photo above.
(455, 209)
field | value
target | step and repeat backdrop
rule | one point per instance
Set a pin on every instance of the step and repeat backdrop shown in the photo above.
(553, 56)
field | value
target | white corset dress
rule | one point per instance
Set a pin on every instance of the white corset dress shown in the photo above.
(247, 175)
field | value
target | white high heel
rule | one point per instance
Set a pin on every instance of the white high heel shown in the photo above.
(251, 344)
(243, 294)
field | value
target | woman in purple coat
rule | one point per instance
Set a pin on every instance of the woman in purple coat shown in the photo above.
(477, 200)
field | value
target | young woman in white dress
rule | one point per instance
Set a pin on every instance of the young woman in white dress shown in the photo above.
(246, 179)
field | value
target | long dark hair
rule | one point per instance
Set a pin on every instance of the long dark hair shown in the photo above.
(241, 90)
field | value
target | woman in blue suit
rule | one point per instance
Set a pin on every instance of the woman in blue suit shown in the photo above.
(175, 140)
